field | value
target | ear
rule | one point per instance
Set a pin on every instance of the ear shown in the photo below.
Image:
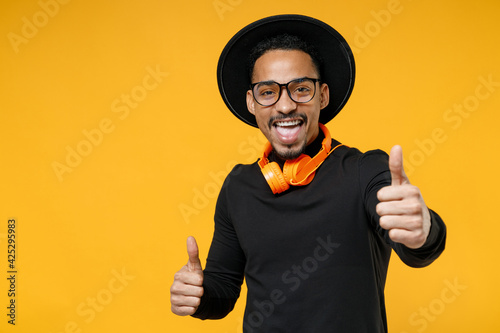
(250, 102)
(324, 95)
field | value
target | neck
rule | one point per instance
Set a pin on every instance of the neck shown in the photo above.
(314, 147)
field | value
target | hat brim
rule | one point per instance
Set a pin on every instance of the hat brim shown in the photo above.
(338, 61)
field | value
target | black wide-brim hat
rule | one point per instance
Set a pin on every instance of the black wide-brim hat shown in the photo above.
(338, 61)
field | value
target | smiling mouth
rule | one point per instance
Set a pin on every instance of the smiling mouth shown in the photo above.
(288, 130)
(288, 123)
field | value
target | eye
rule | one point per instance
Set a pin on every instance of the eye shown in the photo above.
(302, 89)
(267, 90)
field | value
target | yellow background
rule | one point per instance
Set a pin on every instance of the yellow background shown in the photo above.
(150, 178)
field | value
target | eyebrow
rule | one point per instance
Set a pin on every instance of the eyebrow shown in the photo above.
(269, 82)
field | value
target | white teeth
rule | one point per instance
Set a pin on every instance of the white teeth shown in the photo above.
(288, 123)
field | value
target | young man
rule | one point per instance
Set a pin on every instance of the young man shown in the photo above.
(312, 224)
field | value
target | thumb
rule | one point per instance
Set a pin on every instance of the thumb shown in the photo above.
(193, 253)
(398, 175)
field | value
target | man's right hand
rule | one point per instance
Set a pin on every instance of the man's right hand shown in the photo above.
(187, 289)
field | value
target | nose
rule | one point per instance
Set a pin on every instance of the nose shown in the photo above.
(285, 104)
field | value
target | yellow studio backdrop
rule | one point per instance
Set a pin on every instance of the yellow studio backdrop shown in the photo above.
(115, 142)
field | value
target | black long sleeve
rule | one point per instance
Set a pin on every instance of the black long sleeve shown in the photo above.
(314, 257)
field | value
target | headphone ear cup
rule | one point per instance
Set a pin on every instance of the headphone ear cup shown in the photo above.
(275, 178)
(293, 168)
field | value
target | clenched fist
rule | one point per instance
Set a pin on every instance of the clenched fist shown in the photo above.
(187, 288)
(402, 209)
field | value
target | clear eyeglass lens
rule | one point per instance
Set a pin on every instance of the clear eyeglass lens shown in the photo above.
(301, 91)
(267, 93)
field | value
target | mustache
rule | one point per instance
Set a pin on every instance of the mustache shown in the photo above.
(284, 117)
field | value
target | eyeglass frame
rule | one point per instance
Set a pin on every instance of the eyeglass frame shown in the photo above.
(281, 85)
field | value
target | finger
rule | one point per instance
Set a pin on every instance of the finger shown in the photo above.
(409, 223)
(411, 239)
(185, 276)
(407, 208)
(181, 301)
(391, 193)
(398, 175)
(183, 310)
(187, 290)
(406, 192)
(193, 253)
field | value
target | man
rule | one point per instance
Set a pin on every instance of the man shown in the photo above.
(312, 224)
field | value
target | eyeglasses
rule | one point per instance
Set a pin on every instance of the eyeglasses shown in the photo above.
(267, 93)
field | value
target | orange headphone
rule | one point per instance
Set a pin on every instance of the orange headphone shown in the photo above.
(299, 171)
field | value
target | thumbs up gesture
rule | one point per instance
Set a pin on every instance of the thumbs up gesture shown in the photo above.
(187, 288)
(401, 208)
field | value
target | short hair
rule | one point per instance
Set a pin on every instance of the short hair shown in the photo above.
(284, 42)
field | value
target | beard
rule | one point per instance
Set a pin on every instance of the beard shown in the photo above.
(289, 153)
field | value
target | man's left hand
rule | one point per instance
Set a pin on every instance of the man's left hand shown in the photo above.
(402, 209)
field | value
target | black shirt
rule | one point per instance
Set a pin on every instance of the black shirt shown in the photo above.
(314, 257)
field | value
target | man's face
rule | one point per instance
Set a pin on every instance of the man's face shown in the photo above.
(289, 126)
